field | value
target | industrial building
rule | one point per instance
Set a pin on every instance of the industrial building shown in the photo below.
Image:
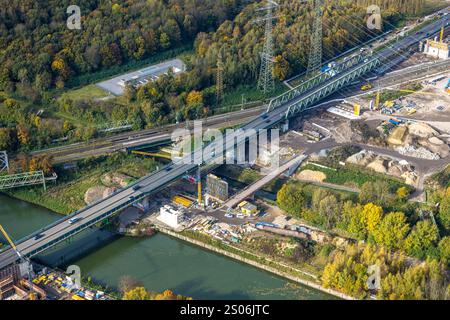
(171, 216)
(248, 208)
(216, 188)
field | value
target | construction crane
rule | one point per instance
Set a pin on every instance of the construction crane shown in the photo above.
(32, 295)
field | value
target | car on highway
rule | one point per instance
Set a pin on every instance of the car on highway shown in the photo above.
(39, 236)
(229, 215)
(74, 220)
(137, 187)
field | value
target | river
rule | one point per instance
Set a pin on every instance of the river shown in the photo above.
(161, 262)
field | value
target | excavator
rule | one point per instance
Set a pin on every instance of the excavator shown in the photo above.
(32, 295)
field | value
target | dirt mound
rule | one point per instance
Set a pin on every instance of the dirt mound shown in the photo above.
(377, 166)
(422, 130)
(115, 179)
(310, 175)
(97, 193)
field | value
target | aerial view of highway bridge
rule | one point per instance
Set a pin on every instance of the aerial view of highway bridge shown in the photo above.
(291, 104)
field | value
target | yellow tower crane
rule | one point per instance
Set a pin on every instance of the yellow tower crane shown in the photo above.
(31, 295)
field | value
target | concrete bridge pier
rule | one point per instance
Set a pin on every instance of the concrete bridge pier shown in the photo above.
(145, 203)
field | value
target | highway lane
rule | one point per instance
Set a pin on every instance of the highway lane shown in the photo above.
(161, 178)
(108, 145)
(152, 183)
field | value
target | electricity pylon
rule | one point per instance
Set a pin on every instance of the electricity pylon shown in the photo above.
(316, 50)
(266, 82)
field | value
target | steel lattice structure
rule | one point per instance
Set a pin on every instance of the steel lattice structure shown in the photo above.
(337, 83)
(312, 83)
(316, 50)
(4, 163)
(266, 82)
(22, 180)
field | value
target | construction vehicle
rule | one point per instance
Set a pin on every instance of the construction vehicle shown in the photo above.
(32, 295)
(180, 200)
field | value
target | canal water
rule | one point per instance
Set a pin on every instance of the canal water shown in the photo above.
(161, 262)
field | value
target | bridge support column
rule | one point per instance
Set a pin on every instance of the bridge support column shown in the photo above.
(146, 203)
(284, 126)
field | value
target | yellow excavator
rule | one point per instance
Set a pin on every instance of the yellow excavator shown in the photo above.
(32, 295)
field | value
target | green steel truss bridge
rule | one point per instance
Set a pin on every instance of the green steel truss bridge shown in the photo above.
(24, 180)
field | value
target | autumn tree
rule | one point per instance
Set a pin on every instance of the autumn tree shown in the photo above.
(138, 293)
(127, 283)
(291, 198)
(392, 230)
(444, 209)
(421, 239)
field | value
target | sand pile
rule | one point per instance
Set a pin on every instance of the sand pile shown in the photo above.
(311, 175)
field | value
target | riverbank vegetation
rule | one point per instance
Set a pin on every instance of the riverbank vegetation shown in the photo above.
(67, 194)
(131, 289)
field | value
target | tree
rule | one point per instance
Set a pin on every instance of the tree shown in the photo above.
(23, 134)
(392, 230)
(138, 293)
(444, 250)
(6, 139)
(194, 98)
(129, 93)
(281, 68)
(164, 41)
(402, 193)
(291, 198)
(127, 283)
(444, 210)
(329, 207)
(376, 192)
(372, 215)
(422, 238)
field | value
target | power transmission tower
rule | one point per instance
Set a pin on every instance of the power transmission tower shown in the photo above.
(4, 163)
(266, 82)
(219, 79)
(316, 50)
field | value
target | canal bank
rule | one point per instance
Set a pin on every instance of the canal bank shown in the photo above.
(263, 265)
(162, 262)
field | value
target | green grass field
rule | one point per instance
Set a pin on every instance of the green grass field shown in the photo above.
(67, 194)
(85, 93)
(354, 177)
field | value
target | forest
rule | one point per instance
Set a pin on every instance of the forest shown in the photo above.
(41, 58)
